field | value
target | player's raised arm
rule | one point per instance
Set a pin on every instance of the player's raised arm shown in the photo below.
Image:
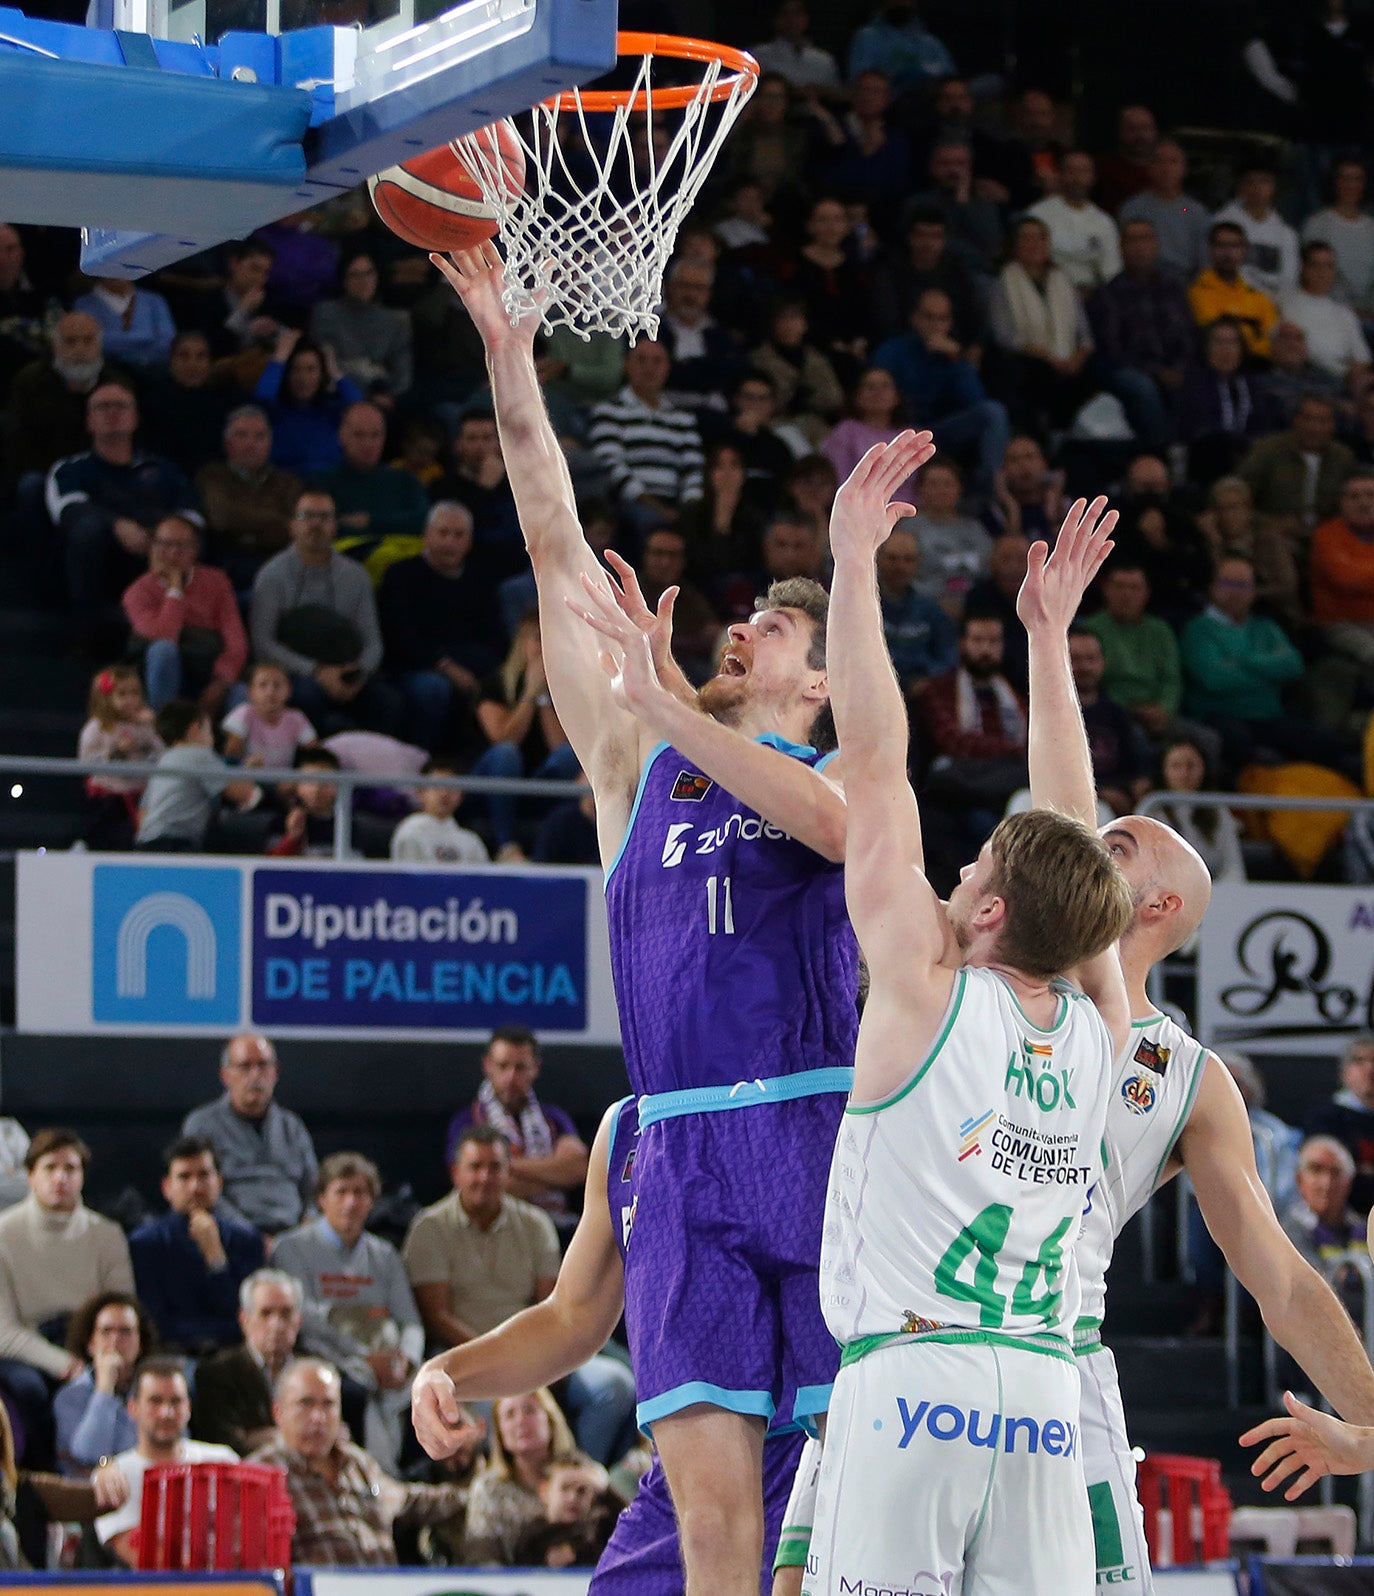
(1299, 1308)
(597, 728)
(540, 1344)
(1061, 772)
(895, 911)
(1061, 769)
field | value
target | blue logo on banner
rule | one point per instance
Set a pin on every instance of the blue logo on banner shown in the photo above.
(381, 949)
(166, 945)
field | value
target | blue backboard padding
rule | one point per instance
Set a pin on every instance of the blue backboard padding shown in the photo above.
(71, 42)
(70, 116)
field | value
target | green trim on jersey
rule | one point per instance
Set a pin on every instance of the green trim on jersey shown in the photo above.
(1107, 1539)
(1046, 1345)
(1199, 1065)
(1040, 1030)
(1087, 1337)
(956, 1000)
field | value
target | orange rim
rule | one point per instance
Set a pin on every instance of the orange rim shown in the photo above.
(743, 69)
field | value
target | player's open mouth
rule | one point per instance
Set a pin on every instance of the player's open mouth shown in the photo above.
(733, 665)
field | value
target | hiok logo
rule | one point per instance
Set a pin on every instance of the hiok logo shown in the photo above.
(165, 945)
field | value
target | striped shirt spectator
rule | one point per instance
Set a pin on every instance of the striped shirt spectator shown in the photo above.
(651, 449)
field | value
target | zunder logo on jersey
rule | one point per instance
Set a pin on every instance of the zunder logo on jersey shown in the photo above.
(1152, 1056)
(675, 845)
(690, 787)
(1138, 1094)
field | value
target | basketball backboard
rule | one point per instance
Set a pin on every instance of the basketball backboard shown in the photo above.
(167, 126)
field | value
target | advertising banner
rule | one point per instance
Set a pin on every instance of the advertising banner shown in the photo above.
(443, 1582)
(207, 946)
(1286, 969)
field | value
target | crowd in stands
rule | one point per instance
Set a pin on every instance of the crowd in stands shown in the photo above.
(266, 486)
(258, 1316)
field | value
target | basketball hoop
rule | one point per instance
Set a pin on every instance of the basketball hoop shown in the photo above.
(609, 176)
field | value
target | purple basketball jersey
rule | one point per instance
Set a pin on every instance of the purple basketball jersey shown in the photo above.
(732, 952)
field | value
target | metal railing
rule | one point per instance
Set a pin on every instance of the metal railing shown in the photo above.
(344, 782)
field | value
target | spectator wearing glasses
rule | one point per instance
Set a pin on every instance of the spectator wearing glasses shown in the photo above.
(265, 1154)
(185, 619)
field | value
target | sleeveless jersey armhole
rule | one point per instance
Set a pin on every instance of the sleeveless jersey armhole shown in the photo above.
(650, 760)
(956, 999)
(1195, 1085)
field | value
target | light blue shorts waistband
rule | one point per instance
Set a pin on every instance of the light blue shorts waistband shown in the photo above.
(743, 1094)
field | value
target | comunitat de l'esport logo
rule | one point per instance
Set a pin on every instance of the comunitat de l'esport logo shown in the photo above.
(683, 837)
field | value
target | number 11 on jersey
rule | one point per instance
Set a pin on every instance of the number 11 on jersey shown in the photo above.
(719, 905)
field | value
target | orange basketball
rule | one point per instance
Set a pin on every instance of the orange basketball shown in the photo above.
(434, 201)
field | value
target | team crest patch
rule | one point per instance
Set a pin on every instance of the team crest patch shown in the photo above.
(628, 1168)
(1037, 1049)
(1152, 1056)
(690, 787)
(1138, 1094)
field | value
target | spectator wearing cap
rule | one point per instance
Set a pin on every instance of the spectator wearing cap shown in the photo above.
(190, 1262)
(1221, 291)
(264, 1152)
(1271, 256)
(1335, 339)
(359, 1310)
(248, 500)
(185, 619)
(1180, 220)
(55, 1254)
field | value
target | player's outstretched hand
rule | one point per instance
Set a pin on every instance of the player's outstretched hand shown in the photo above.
(864, 514)
(1307, 1444)
(657, 624)
(628, 656)
(441, 1422)
(477, 277)
(1055, 583)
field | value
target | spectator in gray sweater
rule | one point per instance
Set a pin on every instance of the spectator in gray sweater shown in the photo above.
(370, 342)
(313, 614)
(360, 1312)
(265, 1154)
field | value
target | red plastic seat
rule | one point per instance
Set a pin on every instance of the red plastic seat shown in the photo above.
(207, 1516)
(1183, 1485)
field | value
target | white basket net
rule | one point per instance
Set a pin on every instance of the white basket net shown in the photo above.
(588, 238)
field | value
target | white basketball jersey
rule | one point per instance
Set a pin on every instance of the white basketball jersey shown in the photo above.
(1154, 1084)
(955, 1203)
